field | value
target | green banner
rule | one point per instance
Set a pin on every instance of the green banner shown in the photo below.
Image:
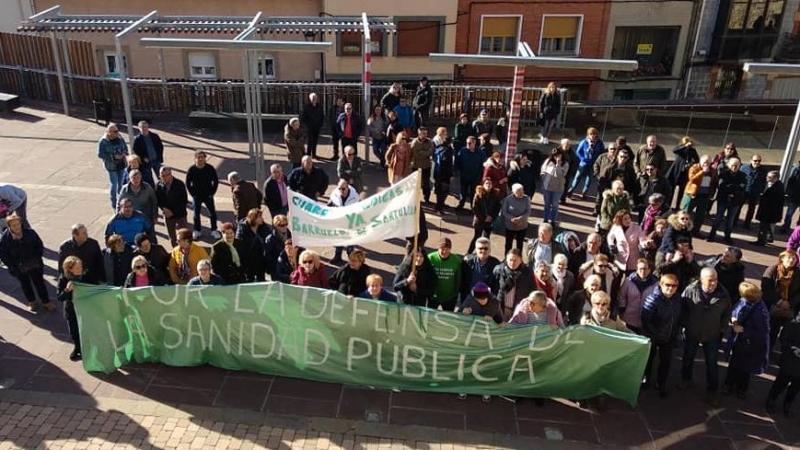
(292, 331)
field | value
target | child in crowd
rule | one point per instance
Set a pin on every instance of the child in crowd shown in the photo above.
(375, 290)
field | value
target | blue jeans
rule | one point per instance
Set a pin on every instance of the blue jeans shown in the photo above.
(551, 199)
(584, 173)
(115, 181)
(790, 210)
(728, 213)
(378, 149)
(711, 352)
(197, 207)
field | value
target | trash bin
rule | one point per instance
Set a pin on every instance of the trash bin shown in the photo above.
(102, 110)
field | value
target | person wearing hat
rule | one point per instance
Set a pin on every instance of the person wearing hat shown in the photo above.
(482, 125)
(422, 103)
(481, 303)
(461, 131)
(448, 275)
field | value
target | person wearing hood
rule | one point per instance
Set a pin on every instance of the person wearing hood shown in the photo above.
(295, 142)
(443, 167)
(632, 292)
(614, 200)
(343, 195)
(538, 309)
(685, 156)
(415, 281)
(661, 322)
(729, 267)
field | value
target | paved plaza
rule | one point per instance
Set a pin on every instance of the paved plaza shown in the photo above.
(46, 401)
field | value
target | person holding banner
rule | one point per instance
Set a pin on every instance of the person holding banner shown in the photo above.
(344, 195)
(184, 258)
(448, 275)
(310, 272)
(375, 290)
(351, 278)
(398, 159)
(422, 159)
(415, 281)
(288, 262)
(72, 271)
(143, 274)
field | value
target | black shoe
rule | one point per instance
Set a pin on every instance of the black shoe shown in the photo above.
(75, 355)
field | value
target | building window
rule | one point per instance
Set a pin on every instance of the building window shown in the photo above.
(561, 35)
(750, 30)
(417, 38)
(755, 15)
(266, 67)
(499, 35)
(350, 44)
(202, 66)
(110, 61)
(653, 47)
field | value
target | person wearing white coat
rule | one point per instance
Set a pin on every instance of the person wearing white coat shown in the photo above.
(343, 195)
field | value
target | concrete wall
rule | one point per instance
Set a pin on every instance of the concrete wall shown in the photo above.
(143, 62)
(12, 12)
(350, 67)
(649, 13)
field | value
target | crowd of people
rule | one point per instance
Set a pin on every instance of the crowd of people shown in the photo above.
(636, 273)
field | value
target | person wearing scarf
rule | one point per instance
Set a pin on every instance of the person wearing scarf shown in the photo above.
(184, 258)
(600, 314)
(225, 256)
(780, 285)
(543, 279)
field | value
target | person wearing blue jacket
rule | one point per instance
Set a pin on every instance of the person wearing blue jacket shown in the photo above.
(128, 223)
(588, 151)
(469, 165)
(113, 150)
(661, 322)
(747, 340)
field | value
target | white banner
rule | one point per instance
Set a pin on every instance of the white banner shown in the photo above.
(388, 214)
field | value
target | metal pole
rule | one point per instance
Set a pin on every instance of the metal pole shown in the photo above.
(248, 105)
(728, 129)
(367, 78)
(60, 74)
(791, 146)
(689, 124)
(258, 125)
(644, 125)
(605, 123)
(515, 110)
(68, 64)
(162, 71)
(772, 136)
(123, 80)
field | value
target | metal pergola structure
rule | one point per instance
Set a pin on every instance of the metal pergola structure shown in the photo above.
(243, 27)
(794, 135)
(526, 58)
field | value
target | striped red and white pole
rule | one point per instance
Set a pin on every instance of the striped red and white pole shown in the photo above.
(367, 75)
(515, 112)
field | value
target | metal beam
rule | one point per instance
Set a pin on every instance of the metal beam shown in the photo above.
(794, 135)
(247, 32)
(123, 70)
(135, 25)
(47, 13)
(538, 61)
(222, 44)
(61, 86)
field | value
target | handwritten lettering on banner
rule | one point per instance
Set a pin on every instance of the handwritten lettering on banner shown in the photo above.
(322, 335)
(388, 214)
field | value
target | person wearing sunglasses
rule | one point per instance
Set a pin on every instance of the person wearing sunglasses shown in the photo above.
(756, 174)
(661, 322)
(609, 276)
(601, 314)
(143, 274)
(310, 272)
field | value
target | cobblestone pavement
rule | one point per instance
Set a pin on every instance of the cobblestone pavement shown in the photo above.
(45, 397)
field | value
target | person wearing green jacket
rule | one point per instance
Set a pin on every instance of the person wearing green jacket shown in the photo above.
(448, 275)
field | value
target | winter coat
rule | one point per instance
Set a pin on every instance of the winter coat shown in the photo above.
(144, 200)
(649, 186)
(313, 116)
(252, 247)
(284, 267)
(685, 157)
(731, 188)
(196, 253)
(117, 265)
(794, 240)
(349, 281)
(626, 174)
(422, 98)
(222, 262)
(426, 283)
(62, 294)
(496, 172)
(756, 179)
(377, 127)
(406, 115)
(89, 253)
(175, 198)
(295, 141)
(685, 271)
(461, 131)
(202, 182)
(158, 258)
(549, 106)
(129, 227)
(793, 186)
(398, 161)
(480, 127)
(568, 287)
(272, 195)
(632, 293)
(769, 288)
(22, 255)
(705, 321)
(770, 204)
(661, 317)
(112, 152)
(554, 317)
(351, 172)
(611, 205)
(627, 244)
(520, 280)
(729, 276)
(393, 128)
(573, 307)
(421, 154)
(483, 207)
(246, 196)
(469, 164)
(315, 279)
(656, 157)
(516, 207)
(613, 323)
(749, 349)
(675, 230)
(790, 340)
(443, 161)
(356, 125)
(140, 148)
(390, 100)
(554, 176)
(588, 152)
(154, 278)
(579, 255)
(524, 175)
(311, 184)
(696, 176)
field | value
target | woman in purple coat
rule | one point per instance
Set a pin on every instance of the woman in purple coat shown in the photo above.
(748, 340)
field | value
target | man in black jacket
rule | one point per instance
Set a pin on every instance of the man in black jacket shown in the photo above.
(422, 103)
(792, 191)
(202, 182)
(85, 248)
(172, 199)
(313, 117)
(308, 180)
(479, 267)
(770, 207)
(275, 187)
(149, 148)
(586, 252)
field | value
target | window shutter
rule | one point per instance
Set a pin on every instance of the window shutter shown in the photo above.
(560, 27)
(417, 38)
(500, 26)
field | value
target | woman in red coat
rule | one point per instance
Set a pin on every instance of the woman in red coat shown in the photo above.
(495, 169)
(310, 272)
